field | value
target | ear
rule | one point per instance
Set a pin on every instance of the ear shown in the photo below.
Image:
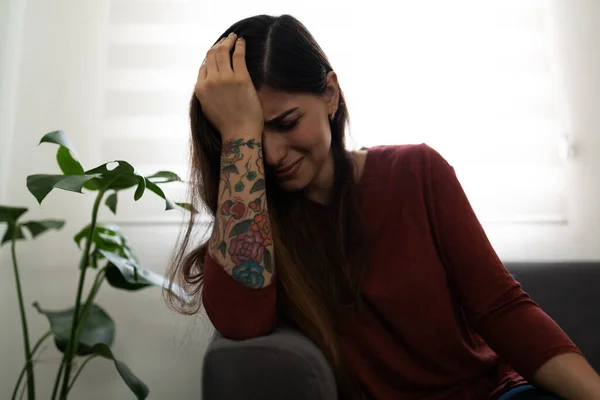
(332, 93)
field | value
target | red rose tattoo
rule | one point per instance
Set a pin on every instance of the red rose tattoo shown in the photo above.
(247, 246)
(228, 148)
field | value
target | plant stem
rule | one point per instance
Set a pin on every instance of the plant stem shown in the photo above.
(61, 367)
(90, 300)
(26, 346)
(90, 358)
(91, 296)
(24, 369)
(83, 265)
(22, 393)
(93, 292)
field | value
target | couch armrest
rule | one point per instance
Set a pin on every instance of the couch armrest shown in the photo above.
(282, 365)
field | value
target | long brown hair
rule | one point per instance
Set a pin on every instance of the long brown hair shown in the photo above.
(320, 253)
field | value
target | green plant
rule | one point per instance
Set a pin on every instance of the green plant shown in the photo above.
(85, 329)
(15, 231)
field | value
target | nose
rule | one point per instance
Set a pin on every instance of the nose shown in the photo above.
(274, 149)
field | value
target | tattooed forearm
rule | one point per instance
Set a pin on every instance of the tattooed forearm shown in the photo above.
(241, 239)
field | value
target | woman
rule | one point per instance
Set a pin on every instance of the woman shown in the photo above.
(377, 256)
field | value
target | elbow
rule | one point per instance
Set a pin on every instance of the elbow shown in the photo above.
(242, 319)
(503, 311)
(241, 327)
(237, 311)
(243, 330)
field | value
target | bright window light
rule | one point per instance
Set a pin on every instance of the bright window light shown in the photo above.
(476, 80)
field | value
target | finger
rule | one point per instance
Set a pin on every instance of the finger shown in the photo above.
(211, 64)
(202, 73)
(210, 61)
(239, 57)
(223, 53)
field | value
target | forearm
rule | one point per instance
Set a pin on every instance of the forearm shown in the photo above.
(570, 376)
(241, 240)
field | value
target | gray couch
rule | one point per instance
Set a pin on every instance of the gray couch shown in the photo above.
(286, 365)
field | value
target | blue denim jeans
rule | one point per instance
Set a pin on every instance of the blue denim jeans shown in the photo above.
(527, 392)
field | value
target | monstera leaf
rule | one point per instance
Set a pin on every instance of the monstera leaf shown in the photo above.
(150, 183)
(40, 185)
(11, 214)
(134, 384)
(125, 274)
(97, 336)
(107, 237)
(122, 176)
(111, 202)
(16, 230)
(110, 177)
(164, 177)
(98, 328)
(168, 177)
(65, 156)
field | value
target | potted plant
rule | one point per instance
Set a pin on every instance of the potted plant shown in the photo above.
(85, 330)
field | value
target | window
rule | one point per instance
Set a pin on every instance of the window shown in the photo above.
(477, 81)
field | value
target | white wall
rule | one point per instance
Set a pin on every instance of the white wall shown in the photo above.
(59, 88)
(11, 22)
(578, 29)
(60, 84)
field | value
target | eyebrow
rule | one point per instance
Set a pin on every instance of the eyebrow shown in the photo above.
(278, 119)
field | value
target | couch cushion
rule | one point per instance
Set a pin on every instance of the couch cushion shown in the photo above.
(283, 365)
(570, 294)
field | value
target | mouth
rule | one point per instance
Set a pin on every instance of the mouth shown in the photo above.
(289, 170)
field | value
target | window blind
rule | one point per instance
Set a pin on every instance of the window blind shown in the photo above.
(478, 81)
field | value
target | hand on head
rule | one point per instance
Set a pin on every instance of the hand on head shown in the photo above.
(226, 92)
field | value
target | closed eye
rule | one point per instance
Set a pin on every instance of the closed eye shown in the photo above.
(287, 126)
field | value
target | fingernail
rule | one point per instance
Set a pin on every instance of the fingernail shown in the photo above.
(240, 39)
(232, 33)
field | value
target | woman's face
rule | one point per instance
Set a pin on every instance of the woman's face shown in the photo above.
(297, 136)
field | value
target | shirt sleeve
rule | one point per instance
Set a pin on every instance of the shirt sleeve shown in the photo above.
(237, 311)
(504, 315)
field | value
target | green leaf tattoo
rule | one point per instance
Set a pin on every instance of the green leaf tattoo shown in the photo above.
(240, 228)
(258, 185)
(231, 169)
(268, 261)
(222, 248)
(239, 186)
(251, 175)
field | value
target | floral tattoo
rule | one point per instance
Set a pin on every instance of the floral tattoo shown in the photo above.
(242, 233)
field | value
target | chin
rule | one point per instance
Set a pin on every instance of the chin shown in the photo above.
(293, 185)
(297, 182)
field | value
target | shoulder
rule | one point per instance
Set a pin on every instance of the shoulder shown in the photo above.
(397, 178)
(408, 172)
(391, 160)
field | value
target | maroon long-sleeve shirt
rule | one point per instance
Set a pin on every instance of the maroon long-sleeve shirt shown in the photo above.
(444, 318)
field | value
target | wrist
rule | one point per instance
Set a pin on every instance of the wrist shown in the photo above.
(242, 133)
